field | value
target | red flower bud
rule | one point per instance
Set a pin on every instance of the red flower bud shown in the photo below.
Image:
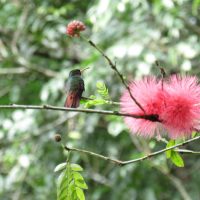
(74, 28)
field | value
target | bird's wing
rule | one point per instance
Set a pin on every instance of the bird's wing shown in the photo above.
(76, 83)
(82, 86)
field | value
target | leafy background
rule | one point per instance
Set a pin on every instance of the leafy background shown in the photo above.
(36, 57)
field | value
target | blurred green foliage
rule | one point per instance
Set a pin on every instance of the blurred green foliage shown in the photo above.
(35, 59)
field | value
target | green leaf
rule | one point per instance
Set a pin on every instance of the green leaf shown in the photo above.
(80, 193)
(83, 101)
(102, 90)
(76, 167)
(169, 144)
(62, 185)
(95, 102)
(72, 189)
(81, 184)
(79, 180)
(60, 167)
(59, 182)
(92, 101)
(74, 195)
(64, 181)
(177, 159)
(77, 176)
(70, 183)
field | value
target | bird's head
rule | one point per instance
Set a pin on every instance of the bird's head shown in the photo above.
(77, 72)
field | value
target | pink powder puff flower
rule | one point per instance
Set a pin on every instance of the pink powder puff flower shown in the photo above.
(181, 115)
(74, 28)
(148, 92)
(177, 104)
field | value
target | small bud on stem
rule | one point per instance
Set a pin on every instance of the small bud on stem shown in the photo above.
(57, 137)
(74, 28)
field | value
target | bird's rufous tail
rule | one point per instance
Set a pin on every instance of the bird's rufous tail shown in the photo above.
(72, 100)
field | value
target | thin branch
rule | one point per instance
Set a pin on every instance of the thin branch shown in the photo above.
(94, 154)
(113, 66)
(17, 70)
(120, 162)
(162, 71)
(103, 112)
(186, 151)
(47, 72)
(112, 102)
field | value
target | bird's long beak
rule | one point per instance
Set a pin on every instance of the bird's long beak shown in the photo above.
(82, 70)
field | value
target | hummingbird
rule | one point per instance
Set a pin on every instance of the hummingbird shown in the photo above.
(74, 88)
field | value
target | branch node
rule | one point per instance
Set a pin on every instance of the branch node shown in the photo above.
(67, 148)
(45, 106)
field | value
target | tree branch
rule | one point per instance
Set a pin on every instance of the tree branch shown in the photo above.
(103, 112)
(17, 70)
(186, 151)
(47, 72)
(113, 66)
(120, 162)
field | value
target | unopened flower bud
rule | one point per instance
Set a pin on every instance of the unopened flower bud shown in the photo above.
(74, 28)
(57, 137)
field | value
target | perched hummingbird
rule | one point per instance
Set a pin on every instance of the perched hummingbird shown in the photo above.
(74, 88)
